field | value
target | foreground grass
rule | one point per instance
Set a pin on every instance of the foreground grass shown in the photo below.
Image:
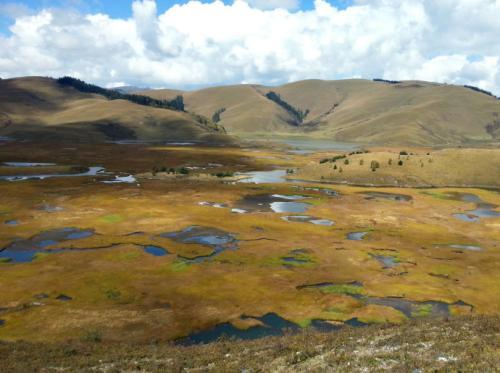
(456, 344)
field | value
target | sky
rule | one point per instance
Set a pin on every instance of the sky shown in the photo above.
(190, 44)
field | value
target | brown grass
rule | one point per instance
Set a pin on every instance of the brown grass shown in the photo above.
(457, 344)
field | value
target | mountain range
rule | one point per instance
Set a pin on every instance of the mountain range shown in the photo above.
(364, 111)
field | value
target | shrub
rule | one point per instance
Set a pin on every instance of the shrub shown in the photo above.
(374, 165)
(224, 174)
(361, 162)
(400, 163)
(346, 162)
(94, 336)
(334, 166)
(390, 161)
(402, 152)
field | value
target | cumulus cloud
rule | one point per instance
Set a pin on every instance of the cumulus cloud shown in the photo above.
(197, 44)
(273, 4)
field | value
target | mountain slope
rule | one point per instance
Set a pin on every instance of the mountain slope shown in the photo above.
(35, 107)
(247, 109)
(411, 112)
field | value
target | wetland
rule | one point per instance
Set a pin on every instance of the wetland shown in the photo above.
(248, 254)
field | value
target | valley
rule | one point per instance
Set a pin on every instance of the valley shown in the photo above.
(166, 258)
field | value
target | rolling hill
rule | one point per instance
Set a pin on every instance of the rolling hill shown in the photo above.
(364, 111)
(43, 109)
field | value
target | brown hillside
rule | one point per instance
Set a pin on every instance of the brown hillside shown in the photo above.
(36, 107)
(411, 113)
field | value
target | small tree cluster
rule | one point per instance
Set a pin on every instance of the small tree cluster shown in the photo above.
(374, 165)
(217, 114)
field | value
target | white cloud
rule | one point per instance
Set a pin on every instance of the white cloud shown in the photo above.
(196, 43)
(273, 4)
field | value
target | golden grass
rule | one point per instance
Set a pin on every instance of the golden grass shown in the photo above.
(448, 167)
(126, 293)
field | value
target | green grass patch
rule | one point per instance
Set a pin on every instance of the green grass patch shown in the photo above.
(304, 323)
(112, 218)
(422, 310)
(129, 255)
(342, 289)
(5, 260)
(41, 256)
(179, 266)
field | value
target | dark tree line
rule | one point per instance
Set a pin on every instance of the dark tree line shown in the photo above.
(481, 91)
(175, 104)
(297, 114)
(387, 81)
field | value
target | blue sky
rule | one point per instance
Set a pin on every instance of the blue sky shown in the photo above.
(119, 8)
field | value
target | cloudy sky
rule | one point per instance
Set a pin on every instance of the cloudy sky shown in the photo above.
(188, 44)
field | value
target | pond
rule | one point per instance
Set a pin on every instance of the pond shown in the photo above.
(464, 247)
(271, 325)
(306, 145)
(387, 261)
(412, 308)
(356, 236)
(214, 238)
(26, 250)
(276, 203)
(386, 196)
(155, 250)
(308, 219)
(263, 177)
(483, 209)
(91, 171)
(28, 164)
(122, 180)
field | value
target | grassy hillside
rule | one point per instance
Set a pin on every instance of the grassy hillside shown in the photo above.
(458, 344)
(411, 113)
(40, 108)
(448, 167)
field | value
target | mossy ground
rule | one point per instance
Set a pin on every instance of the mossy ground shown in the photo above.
(124, 293)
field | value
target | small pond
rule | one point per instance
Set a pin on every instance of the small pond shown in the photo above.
(483, 209)
(386, 196)
(91, 171)
(214, 238)
(463, 247)
(272, 325)
(275, 203)
(25, 250)
(130, 179)
(308, 219)
(387, 261)
(155, 250)
(263, 177)
(28, 164)
(356, 236)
